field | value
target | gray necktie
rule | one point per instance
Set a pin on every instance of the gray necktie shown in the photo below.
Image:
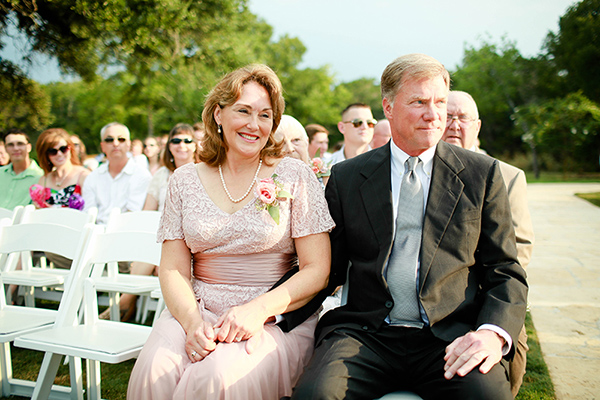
(402, 266)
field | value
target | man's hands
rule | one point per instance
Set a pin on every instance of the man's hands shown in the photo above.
(467, 352)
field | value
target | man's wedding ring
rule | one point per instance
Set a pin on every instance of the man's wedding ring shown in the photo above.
(194, 354)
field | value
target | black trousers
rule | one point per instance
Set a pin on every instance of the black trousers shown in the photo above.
(351, 364)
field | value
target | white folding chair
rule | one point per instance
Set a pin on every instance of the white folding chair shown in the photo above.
(95, 340)
(114, 283)
(30, 277)
(17, 320)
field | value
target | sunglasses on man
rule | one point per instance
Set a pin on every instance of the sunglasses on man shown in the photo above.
(358, 122)
(62, 149)
(110, 139)
(179, 140)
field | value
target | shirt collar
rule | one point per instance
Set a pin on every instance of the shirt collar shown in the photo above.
(399, 157)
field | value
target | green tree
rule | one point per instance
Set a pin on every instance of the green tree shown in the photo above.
(576, 47)
(500, 79)
(565, 130)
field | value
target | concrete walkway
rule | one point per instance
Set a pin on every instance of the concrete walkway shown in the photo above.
(564, 279)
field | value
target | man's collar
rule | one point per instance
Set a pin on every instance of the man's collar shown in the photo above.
(400, 157)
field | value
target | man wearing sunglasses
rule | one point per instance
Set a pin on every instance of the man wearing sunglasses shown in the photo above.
(462, 129)
(357, 126)
(120, 182)
(20, 174)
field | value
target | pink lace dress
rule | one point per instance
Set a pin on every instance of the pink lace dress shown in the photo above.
(236, 258)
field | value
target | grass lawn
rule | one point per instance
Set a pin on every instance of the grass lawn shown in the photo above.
(26, 364)
(593, 198)
(554, 177)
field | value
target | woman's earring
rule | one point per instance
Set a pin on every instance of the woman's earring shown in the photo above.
(219, 129)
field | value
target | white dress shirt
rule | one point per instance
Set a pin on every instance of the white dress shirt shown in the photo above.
(126, 191)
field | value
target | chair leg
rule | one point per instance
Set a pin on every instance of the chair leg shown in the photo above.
(45, 379)
(5, 368)
(93, 379)
(160, 306)
(29, 294)
(76, 378)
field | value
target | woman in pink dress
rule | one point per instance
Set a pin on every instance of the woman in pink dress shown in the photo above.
(234, 228)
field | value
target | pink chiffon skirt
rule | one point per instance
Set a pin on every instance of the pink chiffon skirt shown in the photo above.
(164, 371)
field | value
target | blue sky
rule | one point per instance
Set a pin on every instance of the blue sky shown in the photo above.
(358, 38)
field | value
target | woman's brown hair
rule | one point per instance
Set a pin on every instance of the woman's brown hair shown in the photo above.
(225, 93)
(47, 140)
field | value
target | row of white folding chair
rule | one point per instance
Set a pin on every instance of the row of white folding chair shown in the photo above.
(95, 340)
(30, 277)
(108, 279)
(17, 320)
(14, 216)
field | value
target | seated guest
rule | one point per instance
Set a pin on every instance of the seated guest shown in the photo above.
(357, 128)
(381, 134)
(20, 174)
(218, 338)
(180, 150)
(4, 157)
(119, 182)
(294, 138)
(152, 152)
(318, 141)
(63, 174)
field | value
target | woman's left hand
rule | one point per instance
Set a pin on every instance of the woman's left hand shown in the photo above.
(240, 323)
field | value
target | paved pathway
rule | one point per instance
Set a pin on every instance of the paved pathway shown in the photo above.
(564, 279)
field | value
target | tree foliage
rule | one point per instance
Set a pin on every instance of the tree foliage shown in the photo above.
(576, 47)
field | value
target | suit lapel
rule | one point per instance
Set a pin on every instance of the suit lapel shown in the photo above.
(444, 193)
(376, 194)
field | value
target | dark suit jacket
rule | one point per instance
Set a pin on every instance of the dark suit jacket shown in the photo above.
(469, 273)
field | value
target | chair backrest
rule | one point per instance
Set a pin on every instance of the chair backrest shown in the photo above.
(47, 237)
(60, 215)
(14, 215)
(103, 248)
(133, 221)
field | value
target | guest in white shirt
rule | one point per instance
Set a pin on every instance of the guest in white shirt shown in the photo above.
(119, 182)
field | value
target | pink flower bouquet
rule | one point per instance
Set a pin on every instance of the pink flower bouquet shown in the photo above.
(39, 195)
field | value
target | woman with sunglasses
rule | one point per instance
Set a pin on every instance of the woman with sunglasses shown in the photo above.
(63, 174)
(180, 150)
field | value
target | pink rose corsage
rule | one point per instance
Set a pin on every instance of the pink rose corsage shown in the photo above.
(270, 192)
(319, 167)
(39, 195)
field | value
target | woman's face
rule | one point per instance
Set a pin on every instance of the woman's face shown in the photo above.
(60, 158)
(151, 148)
(247, 123)
(182, 152)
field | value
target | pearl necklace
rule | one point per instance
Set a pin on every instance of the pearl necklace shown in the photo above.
(247, 191)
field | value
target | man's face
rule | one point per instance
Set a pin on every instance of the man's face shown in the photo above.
(382, 134)
(462, 124)
(320, 141)
(115, 143)
(361, 134)
(17, 147)
(418, 115)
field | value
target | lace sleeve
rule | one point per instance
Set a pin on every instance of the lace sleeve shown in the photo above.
(309, 214)
(171, 227)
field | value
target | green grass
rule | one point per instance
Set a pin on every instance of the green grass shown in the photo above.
(593, 198)
(556, 177)
(536, 384)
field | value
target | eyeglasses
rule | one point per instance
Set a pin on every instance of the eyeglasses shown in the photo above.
(358, 122)
(112, 140)
(179, 140)
(12, 145)
(461, 118)
(62, 149)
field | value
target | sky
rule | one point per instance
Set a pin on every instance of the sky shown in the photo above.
(358, 38)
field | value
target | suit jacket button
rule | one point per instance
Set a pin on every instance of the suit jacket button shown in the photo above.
(389, 304)
(365, 328)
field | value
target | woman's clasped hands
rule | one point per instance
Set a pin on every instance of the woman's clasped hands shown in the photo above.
(241, 323)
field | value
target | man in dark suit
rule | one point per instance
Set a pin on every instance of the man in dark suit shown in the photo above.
(469, 289)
